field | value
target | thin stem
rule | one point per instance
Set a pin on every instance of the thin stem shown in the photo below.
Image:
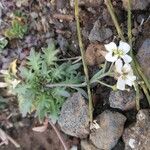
(68, 59)
(110, 68)
(105, 66)
(131, 54)
(83, 60)
(135, 64)
(105, 84)
(146, 81)
(136, 86)
(146, 93)
(58, 134)
(113, 16)
(65, 85)
(100, 77)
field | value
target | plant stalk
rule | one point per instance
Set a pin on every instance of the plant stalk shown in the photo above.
(113, 16)
(131, 54)
(84, 61)
(58, 134)
(65, 85)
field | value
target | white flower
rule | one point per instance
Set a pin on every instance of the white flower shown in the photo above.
(120, 52)
(125, 75)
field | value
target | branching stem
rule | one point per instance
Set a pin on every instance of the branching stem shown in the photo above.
(83, 61)
(135, 64)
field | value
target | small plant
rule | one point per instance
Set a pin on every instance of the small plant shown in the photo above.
(18, 27)
(3, 43)
(41, 69)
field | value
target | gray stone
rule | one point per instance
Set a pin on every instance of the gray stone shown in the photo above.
(137, 136)
(74, 119)
(124, 100)
(144, 57)
(136, 4)
(111, 128)
(87, 2)
(99, 33)
(34, 15)
(87, 145)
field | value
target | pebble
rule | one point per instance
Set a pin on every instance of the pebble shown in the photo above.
(34, 15)
(136, 4)
(99, 33)
(74, 119)
(143, 57)
(87, 145)
(124, 100)
(137, 136)
(111, 128)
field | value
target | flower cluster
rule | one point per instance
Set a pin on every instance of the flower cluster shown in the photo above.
(119, 56)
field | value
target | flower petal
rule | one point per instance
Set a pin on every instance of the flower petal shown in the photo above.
(118, 66)
(127, 69)
(110, 47)
(127, 58)
(125, 47)
(121, 84)
(110, 58)
(3, 84)
(130, 78)
(129, 82)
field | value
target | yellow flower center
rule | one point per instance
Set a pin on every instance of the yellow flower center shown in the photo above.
(118, 52)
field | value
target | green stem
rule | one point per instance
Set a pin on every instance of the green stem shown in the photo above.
(65, 85)
(135, 64)
(146, 93)
(131, 54)
(100, 77)
(107, 85)
(105, 66)
(83, 61)
(69, 59)
(146, 81)
(113, 16)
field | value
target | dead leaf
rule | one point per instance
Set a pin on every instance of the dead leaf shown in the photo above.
(95, 54)
(13, 67)
(3, 137)
(41, 128)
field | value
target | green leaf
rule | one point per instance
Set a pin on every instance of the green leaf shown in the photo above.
(34, 60)
(3, 43)
(97, 75)
(50, 54)
(60, 92)
(26, 73)
(25, 103)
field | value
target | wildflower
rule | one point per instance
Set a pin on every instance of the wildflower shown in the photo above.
(125, 75)
(120, 52)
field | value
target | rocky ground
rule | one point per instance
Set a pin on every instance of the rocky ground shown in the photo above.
(121, 126)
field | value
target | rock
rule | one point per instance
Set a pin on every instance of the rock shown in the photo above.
(111, 128)
(87, 145)
(137, 136)
(99, 33)
(34, 15)
(87, 2)
(136, 4)
(143, 57)
(107, 17)
(74, 119)
(63, 43)
(94, 55)
(123, 100)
